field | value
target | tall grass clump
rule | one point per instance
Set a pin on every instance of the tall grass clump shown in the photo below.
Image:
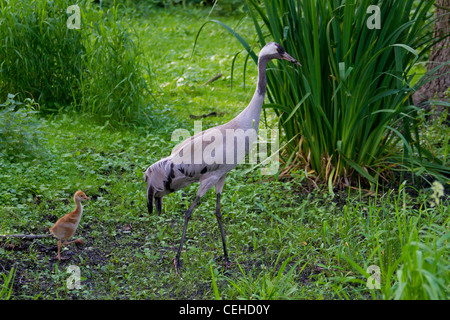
(7, 286)
(40, 58)
(424, 270)
(97, 68)
(114, 81)
(347, 112)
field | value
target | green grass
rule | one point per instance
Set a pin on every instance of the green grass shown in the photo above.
(285, 240)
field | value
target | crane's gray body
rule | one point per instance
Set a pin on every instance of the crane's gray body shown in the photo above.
(209, 155)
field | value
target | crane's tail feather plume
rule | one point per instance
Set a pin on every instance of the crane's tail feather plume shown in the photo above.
(150, 199)
(158, 205)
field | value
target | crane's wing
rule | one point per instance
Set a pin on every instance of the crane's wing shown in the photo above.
(223, 145)
(209, 155)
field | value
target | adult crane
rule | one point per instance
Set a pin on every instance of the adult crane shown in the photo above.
(208, 156)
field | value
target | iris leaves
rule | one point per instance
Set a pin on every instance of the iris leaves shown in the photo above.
(347, 113)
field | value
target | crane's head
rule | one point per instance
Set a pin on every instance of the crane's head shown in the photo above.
(80, 196)
(273, 50)
(157, 177)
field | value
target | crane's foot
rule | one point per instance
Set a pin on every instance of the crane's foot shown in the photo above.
(227, 263)
(176, 263)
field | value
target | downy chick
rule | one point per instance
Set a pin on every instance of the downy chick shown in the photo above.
(66, 226)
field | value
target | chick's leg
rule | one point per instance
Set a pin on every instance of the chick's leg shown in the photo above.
(58, 256)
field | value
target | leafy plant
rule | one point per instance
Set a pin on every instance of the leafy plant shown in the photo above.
(412, 258)
(346, 113)
(266, 285)
(423, 273)
(438, 192)
(19, 129)
(8, 282)
(214, 282)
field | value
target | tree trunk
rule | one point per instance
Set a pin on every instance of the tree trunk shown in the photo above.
(439, 54)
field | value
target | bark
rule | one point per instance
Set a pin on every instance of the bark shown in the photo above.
(25, 236)
(439, 54)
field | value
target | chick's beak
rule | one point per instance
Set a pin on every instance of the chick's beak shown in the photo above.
(287, 57)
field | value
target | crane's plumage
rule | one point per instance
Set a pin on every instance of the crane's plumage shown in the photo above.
(209, 155)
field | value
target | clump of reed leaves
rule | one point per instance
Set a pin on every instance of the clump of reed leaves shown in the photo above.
(97, 68)
(347, 113)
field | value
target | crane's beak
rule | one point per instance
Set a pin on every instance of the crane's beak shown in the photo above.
(287, 57)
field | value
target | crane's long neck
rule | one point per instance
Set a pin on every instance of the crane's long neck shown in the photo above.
(249, 117)
(79, 208)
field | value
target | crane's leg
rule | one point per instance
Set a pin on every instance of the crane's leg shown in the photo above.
(188, 214)
(219, 221)
(219, 187)
(150, 200)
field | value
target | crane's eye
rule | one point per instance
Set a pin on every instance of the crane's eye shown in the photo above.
(280, 49)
